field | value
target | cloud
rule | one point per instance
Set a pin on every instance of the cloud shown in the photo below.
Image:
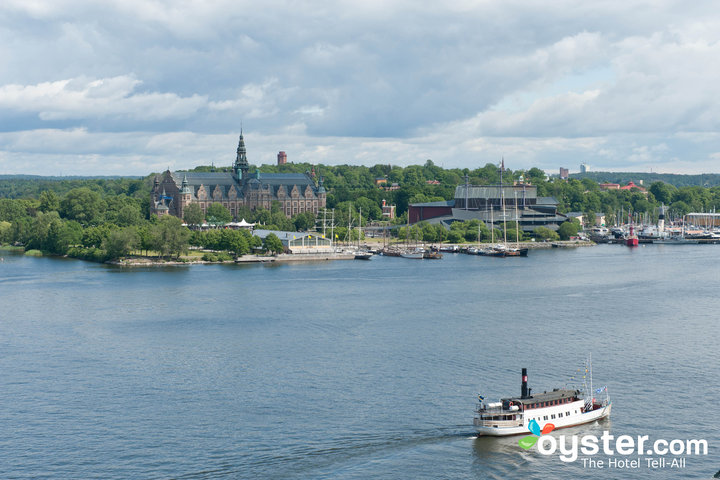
(349, 82)
(84, 98)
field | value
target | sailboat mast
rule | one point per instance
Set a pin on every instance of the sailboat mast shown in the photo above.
(502, 200)
(517, 223)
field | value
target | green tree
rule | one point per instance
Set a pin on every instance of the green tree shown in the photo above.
(217, 214)
(121, 241)
(304, 221)
(5, 232)
(544, 233)
(49, 201)
(568, 229)
(193, 215)
(83, 205)
(129, 215)
(171, 237)
(273, 244)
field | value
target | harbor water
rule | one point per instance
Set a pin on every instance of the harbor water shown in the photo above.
(349, 369)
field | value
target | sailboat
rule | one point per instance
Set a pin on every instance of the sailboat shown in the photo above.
(503, 250)
(361, 254)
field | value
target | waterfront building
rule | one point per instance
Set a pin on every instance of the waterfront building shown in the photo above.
(564, 173)
(297, 192)
(299, 242)
(485, 203)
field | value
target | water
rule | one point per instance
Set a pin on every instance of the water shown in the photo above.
(347, 370)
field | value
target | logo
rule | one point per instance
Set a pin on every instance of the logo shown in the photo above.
(528, 442)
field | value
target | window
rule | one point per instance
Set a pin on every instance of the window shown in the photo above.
(567, 414)
(552, 416)
(545, 417)
(560, 415)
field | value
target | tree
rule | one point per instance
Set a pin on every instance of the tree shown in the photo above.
(129, 215)
(304, 221)
(121, 241)
(193, 215)
(273, 244)
(49, 201)
(568, 229)
(83, 205)
(544, 233)
(217, 214)
(171, 236)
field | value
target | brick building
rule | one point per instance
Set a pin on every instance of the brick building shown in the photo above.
(297, 193)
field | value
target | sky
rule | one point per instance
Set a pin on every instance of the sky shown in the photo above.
(130, 87)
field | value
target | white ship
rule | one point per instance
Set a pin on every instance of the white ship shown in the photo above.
(560, 407)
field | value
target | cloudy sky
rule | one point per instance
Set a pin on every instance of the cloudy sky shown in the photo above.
(135, 86)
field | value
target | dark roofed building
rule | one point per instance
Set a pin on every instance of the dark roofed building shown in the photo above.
(485, 203)
(297, 193)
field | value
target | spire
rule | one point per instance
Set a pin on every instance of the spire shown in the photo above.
(185, 185)
(241, 164)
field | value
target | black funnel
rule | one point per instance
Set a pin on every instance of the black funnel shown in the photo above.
(524, 391)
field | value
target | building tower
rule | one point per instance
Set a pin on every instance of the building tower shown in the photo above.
(241, 166)
(185, 196)
(282, 158)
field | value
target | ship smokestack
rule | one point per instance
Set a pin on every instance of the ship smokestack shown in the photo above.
(661, 219)
(524, 391)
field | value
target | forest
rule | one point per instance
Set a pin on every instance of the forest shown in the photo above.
(102, 218)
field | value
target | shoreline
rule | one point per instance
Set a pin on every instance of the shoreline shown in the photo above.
(138, 261)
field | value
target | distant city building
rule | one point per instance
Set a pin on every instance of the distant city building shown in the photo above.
(380, 181)
(631, 185)
(609, 186)
(485, 203)
(584, 168)
(282, 158)
(297, 192)
(564, 173)
(388, 211)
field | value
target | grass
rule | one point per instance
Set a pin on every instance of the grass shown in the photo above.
(34, 253)
(11, 248)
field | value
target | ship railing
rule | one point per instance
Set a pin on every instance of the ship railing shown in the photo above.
(499, 423)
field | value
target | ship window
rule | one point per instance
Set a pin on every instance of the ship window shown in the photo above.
(545, 417)
(567, 413)
(560, 415)
(552, 416)
(575, 411)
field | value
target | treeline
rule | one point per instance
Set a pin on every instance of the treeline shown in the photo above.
(677, 180)
(104, 218)
(477, 231)
(85, 224)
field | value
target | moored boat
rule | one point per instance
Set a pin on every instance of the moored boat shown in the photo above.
(417, 254)
(559, 407)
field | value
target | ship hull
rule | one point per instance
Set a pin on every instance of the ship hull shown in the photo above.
(565, 422)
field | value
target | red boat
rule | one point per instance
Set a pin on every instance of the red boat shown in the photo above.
(632, 239)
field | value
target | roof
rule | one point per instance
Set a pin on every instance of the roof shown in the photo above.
(494, 191)
(442, 203)
(285, 179)
(204, 178)
(284, 236)
(556, 394)
(546, 201)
